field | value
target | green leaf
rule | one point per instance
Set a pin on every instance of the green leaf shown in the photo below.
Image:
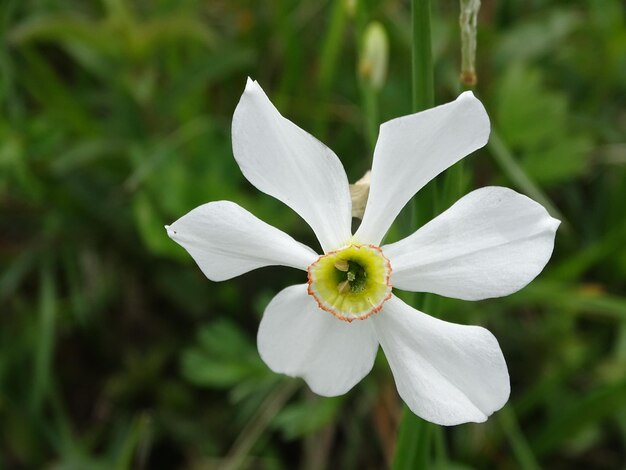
(223, 357)
(535, 122)
(528, 115)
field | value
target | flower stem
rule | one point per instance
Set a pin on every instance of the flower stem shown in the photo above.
(423, 92)
(423, 98)
(414, 436)
(422, 58)
(330, 53)
(414, 443)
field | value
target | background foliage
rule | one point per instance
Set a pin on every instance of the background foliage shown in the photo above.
(115, 351)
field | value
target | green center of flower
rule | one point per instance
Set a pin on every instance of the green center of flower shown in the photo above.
(351, 283)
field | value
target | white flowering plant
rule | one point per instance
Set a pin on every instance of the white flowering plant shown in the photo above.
(327, 330)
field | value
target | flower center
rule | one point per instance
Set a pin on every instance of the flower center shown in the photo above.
(351, 283)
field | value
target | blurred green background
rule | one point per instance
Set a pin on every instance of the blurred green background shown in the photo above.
(115, 351)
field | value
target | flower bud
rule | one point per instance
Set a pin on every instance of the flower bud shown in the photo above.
(350, 6)
(374, 56)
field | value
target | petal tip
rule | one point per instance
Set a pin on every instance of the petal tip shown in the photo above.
(467, 95)
(170, 231)
(251, 85)
(470, 98)
(483, 117)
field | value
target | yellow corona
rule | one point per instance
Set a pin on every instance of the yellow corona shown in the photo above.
(351, 283)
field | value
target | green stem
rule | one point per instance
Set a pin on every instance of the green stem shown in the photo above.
(414, 443)
(423, 92)
(423, 98)
(291, 39)
(423, 76)
(327, 64)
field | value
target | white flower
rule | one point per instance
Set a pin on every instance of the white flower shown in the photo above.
(491, 243)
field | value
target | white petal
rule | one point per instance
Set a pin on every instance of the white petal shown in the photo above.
(286, 162)
(299, 339)
(226, 240)
(490, 243)
(446, 373)
(412, 150)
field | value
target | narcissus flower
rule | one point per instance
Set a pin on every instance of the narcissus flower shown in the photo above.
(490, 243)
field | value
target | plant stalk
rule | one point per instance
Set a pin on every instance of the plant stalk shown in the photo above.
(414, 442)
